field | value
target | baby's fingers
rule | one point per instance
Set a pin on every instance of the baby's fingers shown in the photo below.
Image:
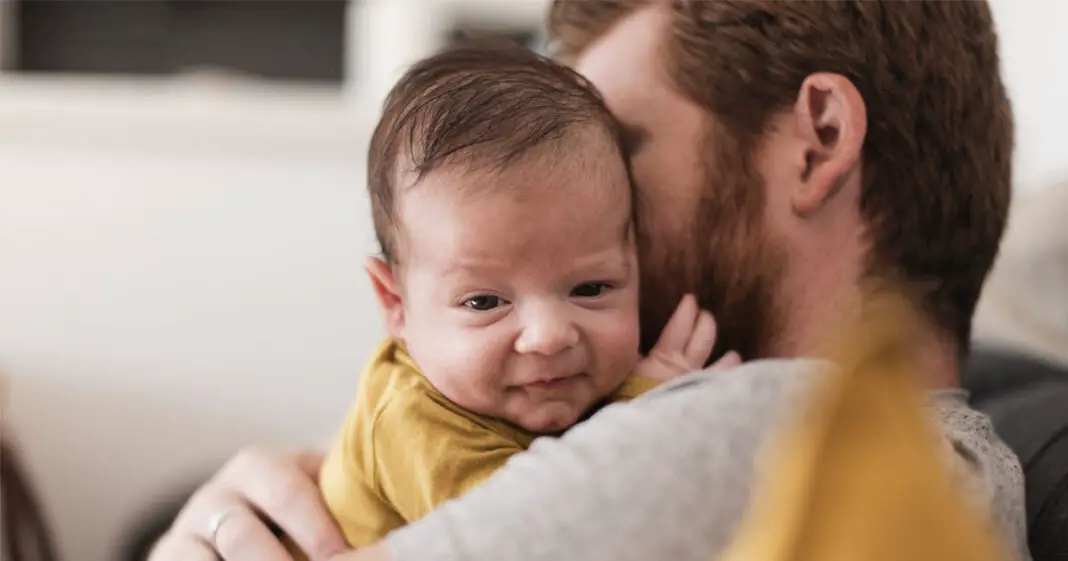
(727, 361)
(702, 340)
(678, 332)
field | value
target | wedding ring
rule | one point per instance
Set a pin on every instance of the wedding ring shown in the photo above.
(216, 522)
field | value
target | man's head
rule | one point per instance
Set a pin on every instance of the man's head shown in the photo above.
(502, 203)
(789, 151)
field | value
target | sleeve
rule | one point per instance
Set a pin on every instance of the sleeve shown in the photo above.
(348, 490)
(426, 454)
(634, 386)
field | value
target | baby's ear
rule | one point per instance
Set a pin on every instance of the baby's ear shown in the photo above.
(388, 293)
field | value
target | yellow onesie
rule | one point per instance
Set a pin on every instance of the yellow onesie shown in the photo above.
(404, 448)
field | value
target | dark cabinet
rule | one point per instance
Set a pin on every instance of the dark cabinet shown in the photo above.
(274, 39)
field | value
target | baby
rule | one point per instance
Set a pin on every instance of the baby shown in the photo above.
(508, 281)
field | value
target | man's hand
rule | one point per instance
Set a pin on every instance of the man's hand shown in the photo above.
(376, 552)
(685, 345)
(252, 486)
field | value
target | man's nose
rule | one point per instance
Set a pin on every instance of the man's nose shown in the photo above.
(546, 332)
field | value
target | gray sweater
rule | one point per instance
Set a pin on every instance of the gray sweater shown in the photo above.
(668, 476)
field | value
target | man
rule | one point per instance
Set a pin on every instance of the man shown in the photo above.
(788, 155)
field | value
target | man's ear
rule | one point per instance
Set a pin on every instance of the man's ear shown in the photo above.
(388, 292)
(832, 122)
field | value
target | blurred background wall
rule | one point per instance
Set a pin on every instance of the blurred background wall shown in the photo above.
(183, 220)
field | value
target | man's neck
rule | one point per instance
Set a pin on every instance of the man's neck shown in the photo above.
(937, 355)
(938, 360)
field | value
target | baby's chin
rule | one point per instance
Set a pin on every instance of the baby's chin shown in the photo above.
(551, 418)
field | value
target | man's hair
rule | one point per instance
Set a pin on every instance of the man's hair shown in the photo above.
(478, 105)
(938, 151)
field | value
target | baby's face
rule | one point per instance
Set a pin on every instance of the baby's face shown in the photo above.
(520, 287)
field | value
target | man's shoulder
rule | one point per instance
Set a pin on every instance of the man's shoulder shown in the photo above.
(756, 398)
(785, 384)
(973, 435)
(983, 463)
(760, 395)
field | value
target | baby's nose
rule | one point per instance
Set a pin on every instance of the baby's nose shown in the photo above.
(547, 333)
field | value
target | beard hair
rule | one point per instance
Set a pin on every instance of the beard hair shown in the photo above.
(727, 260)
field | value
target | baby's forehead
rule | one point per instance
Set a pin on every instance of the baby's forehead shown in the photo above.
(526, 210)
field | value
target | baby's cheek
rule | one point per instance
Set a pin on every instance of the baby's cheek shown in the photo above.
(622, 338)
(486, 384)
(619, 354)
(463, 379)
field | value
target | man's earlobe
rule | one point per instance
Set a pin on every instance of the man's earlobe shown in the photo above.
(388, 293)
(833, 122)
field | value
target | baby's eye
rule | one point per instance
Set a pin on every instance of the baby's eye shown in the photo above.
(484, 302)
(590, 290)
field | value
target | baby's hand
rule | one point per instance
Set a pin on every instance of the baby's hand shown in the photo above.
(684, 345)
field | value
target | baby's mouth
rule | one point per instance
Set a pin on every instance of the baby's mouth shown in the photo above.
(555, 384)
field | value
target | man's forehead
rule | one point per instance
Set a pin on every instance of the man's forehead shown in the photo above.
(625, 62)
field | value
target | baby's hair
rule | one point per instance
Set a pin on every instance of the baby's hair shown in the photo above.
(475, 105)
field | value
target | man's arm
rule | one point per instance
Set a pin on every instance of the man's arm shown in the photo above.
(376, 552)
(666, 476)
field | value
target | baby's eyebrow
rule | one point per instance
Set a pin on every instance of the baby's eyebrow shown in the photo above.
(616, 261)
(468, 266)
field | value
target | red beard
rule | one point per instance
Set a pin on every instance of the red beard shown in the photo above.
(728, 261)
